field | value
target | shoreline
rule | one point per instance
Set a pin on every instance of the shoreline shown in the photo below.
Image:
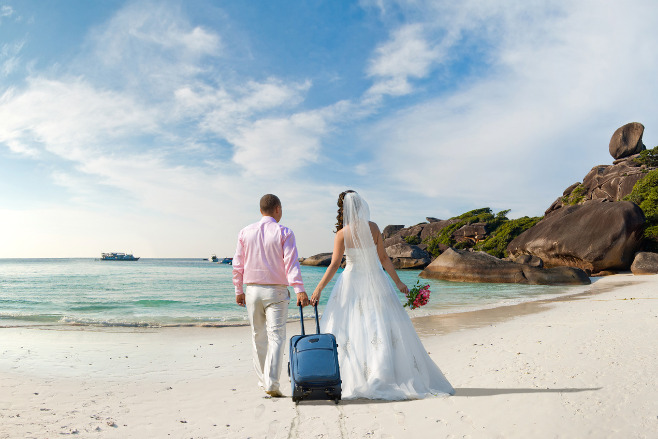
(581, 365)
(420, 314)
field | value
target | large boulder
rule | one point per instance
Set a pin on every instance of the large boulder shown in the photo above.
(529, 260)
(319, 260)
(391, 230)
(466, 266)
(594, 236)
(627, 140)
(645, 263)
(401, 236)
(408, 256)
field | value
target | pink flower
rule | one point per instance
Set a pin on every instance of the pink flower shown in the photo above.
(418, 296)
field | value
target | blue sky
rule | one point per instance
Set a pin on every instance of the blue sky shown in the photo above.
(155, 127)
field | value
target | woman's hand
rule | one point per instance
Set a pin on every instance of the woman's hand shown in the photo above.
(315, 298)
(402, 287)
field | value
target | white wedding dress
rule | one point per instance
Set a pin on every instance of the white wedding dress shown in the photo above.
(379, 352)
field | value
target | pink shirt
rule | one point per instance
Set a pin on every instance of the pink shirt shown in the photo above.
(266, 255)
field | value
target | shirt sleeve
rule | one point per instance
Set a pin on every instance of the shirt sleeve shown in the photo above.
(291, 262)
(238, 266)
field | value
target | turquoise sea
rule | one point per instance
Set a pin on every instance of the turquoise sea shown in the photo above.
(179, 292)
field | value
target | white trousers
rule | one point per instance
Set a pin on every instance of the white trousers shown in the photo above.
(267, 306)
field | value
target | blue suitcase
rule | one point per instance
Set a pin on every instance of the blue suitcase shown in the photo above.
(313, 366)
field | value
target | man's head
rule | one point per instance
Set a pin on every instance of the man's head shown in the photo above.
(270, 205)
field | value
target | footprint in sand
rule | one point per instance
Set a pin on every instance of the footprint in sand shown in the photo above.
(399, 416)
(272, 430)
(258, 411)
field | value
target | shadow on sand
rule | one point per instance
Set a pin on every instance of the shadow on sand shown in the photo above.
(466, 391)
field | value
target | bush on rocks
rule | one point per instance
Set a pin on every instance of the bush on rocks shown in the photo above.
(648, 157)
(497, 243)
(645, 195)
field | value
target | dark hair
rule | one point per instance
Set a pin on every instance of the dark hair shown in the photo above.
(269, 203)
(339, 217)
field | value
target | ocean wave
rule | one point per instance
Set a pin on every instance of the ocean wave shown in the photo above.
(174, 323)
(152, 303)
(99, 307)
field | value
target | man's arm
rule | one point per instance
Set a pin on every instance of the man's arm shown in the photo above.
(238, 271)
(293, 270)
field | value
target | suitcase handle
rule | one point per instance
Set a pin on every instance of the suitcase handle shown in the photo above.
(317, 321)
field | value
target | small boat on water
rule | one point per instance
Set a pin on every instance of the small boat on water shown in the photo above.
(118, 257)
(212, 258)
(227, 261)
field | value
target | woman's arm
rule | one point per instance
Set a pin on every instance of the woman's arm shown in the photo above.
(385, 260)
(336, 259)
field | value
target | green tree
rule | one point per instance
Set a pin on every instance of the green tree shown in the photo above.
(645, 195)
(648, 157)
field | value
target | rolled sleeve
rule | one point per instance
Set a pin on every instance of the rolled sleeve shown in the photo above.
(291, 262)
(238, 266)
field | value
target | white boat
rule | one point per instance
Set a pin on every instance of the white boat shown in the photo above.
(118, 257)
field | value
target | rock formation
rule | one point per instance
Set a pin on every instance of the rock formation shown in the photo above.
(319, 260)
(434, 227)
(533, 261)
(466, 266)
(398, 237)
(645, 263)
(408, 256)
(391, 230)
(474, 233)
(627, 140)
(610, 182)
(594, 236)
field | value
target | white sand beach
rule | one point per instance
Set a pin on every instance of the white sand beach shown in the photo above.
(576, 367)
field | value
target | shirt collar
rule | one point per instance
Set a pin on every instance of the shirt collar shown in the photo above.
(267, 219)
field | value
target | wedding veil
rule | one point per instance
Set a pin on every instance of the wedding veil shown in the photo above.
(359, 243)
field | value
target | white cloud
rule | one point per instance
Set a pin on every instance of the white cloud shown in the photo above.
(6, 11)
(407, 54)
(9, 57)
(278, 146)
(151, 48)
(559, 84)
(143, 27)
(69, 118)
(223, 112)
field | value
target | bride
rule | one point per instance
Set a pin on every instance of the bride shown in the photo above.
(379, 352)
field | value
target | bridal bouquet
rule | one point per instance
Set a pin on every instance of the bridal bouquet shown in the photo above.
(418, 296)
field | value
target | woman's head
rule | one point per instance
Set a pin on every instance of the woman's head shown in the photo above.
(339, 217)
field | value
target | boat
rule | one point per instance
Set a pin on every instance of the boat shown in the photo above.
(118, 257)
(212, 258)
(227, 261)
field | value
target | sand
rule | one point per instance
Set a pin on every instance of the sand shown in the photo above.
(578, 367)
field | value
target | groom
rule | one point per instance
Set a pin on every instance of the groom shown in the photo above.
(266, 262)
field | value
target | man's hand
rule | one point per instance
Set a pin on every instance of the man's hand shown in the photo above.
(239, 299)
(302, 299)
